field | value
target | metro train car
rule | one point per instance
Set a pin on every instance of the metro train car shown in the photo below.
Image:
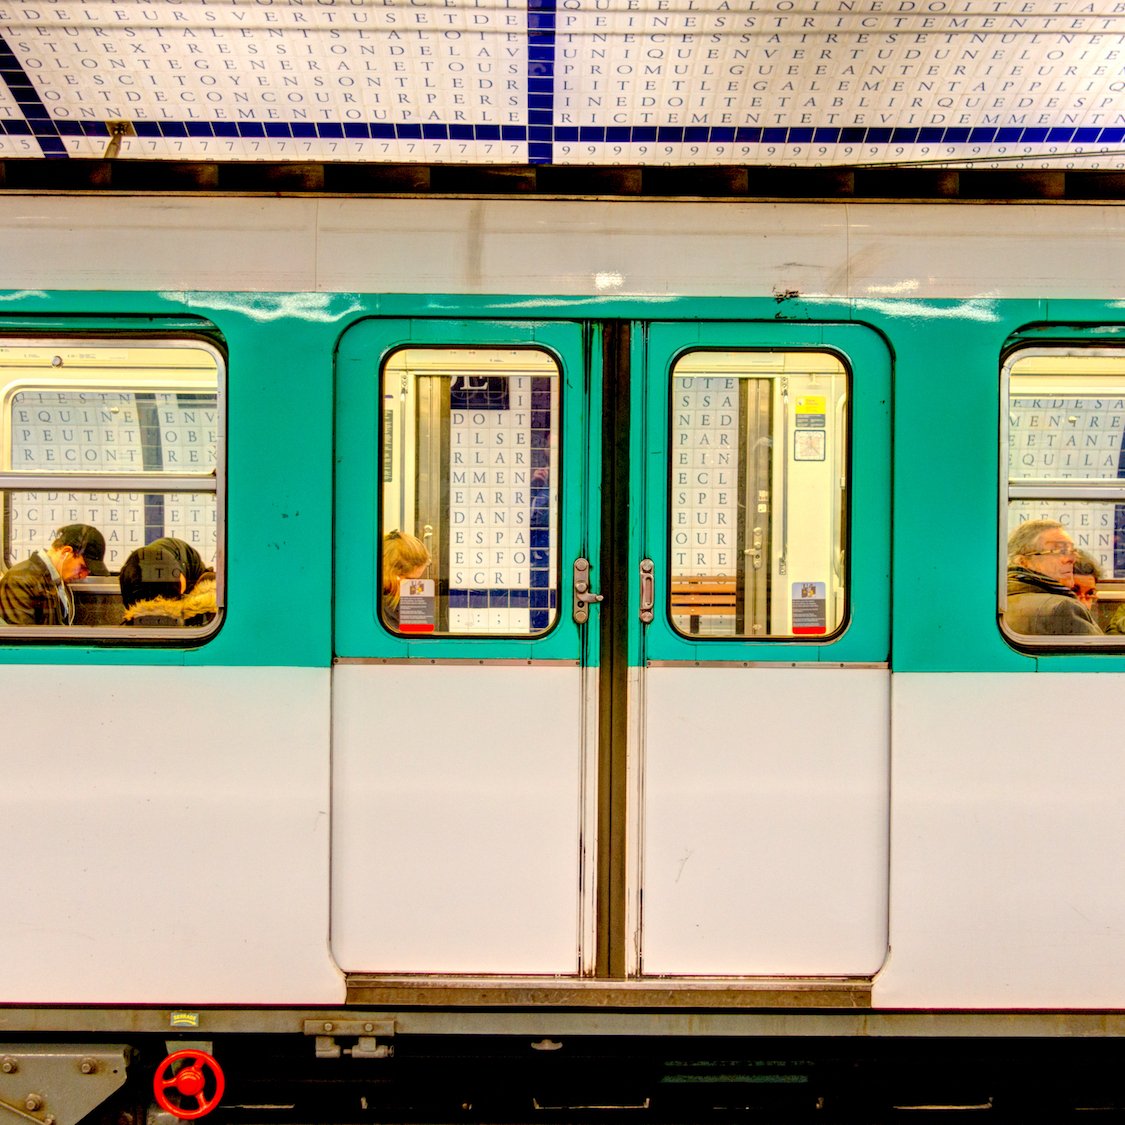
(696, 763)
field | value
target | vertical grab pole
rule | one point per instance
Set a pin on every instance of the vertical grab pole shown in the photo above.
(783, 560)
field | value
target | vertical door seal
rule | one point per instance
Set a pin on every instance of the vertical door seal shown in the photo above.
(613, 684)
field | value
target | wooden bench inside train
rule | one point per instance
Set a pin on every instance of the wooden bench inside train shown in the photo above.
(703, 595)
(97, 601)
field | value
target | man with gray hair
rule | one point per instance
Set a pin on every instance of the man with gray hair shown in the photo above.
(1041, 598)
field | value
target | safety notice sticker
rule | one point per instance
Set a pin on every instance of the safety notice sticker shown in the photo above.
(416, 605)
(810, 608)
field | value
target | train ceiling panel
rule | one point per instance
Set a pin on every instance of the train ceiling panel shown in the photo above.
(805, 83)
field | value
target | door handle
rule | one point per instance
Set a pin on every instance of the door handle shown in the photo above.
(755, 550)
(648, 590)
(584, 597)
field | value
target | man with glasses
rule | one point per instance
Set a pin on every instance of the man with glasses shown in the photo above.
(36, 591)
(1041, 597)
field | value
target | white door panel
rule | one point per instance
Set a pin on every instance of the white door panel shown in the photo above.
(457, 817)
(764, 821)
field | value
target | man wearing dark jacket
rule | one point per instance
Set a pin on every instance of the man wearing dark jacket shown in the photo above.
(36, 591)
(1041, 598)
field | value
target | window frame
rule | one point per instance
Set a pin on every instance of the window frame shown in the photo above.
(384, 391)
(841, 516)
(1107, 490)
(213, 481)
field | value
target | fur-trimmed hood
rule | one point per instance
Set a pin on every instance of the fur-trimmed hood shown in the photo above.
(199, 603)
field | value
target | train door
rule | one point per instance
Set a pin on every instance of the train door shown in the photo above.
(464, 690)
(758, 775)
(687, 778)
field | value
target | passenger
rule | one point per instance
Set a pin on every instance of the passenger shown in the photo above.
(1087, 575)
(190, 559)
(167, 583)
(1116, 624)
(37, 590)
(200, 601)
(403, 557)
(1041, 598)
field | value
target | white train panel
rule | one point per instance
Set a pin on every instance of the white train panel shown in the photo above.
(866, 251)
(1008, 835)
(903, 251)
(168, 835)
(170, 243)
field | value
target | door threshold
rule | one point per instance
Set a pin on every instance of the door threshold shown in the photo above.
(663, 992)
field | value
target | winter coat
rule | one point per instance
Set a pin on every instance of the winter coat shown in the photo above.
(1038, 606)
(196, 607)
(28, 595)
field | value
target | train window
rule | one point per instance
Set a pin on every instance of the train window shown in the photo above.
(758, 494)
(470, 491)
(111, 472)
(1062, 553)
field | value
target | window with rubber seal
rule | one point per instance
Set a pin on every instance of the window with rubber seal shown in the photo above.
(1062, 541)
(470, 467)
(758, 496)
(111, 489)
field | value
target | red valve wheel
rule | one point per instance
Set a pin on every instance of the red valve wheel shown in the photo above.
(196, 1086)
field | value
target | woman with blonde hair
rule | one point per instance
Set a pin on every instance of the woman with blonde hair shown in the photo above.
(403, 557)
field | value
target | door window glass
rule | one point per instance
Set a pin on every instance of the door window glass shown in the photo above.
(470, 491)
(758, 494)
(1063, 558)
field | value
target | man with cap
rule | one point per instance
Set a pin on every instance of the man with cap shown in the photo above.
(36, 591)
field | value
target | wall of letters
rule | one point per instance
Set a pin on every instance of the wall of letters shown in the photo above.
(112, 432)
(1071, 439)
(999, 82)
